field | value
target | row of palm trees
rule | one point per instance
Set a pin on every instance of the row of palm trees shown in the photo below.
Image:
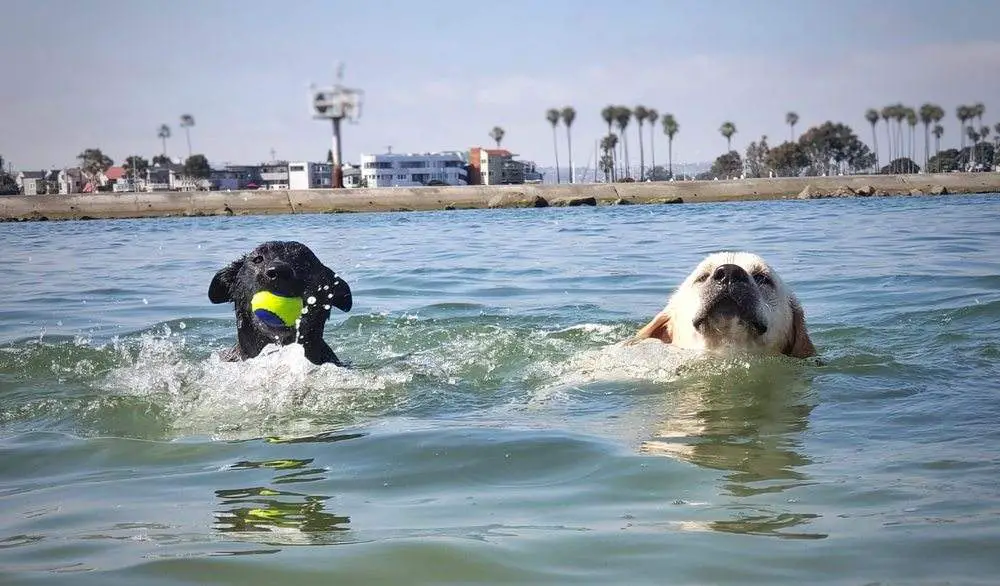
(619, 117)
(163, 132)
(928, 114)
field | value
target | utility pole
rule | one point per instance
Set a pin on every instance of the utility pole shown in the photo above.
(335, 104)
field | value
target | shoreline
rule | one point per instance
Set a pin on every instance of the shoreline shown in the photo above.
(219, 203)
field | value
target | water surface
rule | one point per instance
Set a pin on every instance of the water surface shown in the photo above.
(490, 429)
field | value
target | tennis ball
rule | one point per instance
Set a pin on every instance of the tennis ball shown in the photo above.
(275, 310)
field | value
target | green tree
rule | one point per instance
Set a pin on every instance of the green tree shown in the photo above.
(135, 167)
(163, 133)
(608, 145)
(652, 116)
(756, 158)
(937, 132)
(670, 128)
(791, 119)
(788, 159)
(622, 117)
(92, 163)
(944, 161)
(834, 145)
(640, 116)
(497, 135)
(197, 166)
(160, 160)
(8, 185)
(727, 165)
(187, 121)
(902, 165)
(568, 116)
(871, 115)
(728, 129)
(552, 115)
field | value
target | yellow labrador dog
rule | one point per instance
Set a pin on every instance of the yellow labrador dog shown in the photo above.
(733, 301)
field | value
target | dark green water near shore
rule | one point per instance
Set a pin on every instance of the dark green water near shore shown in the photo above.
(490, 429)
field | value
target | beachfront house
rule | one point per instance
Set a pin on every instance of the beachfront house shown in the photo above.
(306, 175)
(498, 167)
(413, 169)
(274, 175)
(32, 182)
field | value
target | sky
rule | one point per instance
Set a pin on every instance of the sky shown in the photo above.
(439, 75)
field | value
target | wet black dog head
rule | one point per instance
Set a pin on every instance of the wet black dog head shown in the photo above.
(286, 269)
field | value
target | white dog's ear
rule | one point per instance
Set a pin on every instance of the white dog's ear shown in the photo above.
(659, 327)
(799, 345)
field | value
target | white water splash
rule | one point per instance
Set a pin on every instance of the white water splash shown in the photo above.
(236, 399)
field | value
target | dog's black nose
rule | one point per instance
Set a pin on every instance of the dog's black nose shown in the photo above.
(730, 274)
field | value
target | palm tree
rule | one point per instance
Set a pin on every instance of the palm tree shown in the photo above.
(640, 116)
(791, 119)
(871, 115)
(963, 114)
(187, 121)
(927, 117)
(164, 133)
(978, 110)
(937, 132)
(497, 135)
(887, 117)
(568, 116)
(984, 135)
(970, 131)
(899, 114)
(728, 129)
(622, 117)
(552, 115)
(670, 128)
(608, 115)
(652, 116)
(911, 121)
(608, 145)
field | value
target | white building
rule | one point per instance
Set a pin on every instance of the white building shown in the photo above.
(410, 170)
(306, 175)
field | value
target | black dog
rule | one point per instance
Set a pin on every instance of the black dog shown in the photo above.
(288, 269)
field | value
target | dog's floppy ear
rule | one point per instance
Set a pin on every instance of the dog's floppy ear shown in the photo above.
(220, 290)
(799, 345)
(338, 287)
(659, 327)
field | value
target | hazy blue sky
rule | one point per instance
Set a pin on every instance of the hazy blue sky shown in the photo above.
(439, 74)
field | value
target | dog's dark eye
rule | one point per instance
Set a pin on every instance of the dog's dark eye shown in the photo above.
(763, 279)
(701, 278)
(257, 259)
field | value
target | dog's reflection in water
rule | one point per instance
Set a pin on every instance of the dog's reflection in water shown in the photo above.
(745, 419)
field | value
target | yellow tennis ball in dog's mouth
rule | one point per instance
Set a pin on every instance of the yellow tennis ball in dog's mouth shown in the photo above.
(275, 310)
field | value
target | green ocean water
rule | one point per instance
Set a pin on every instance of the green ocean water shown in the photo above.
(490, 429)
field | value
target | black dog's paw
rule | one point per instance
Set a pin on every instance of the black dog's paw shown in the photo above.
(293, 277)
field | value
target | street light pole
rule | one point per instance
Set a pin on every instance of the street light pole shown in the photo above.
(335, 104)
(336, 168)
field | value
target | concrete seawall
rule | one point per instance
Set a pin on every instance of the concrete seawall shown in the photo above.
(159, 204)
